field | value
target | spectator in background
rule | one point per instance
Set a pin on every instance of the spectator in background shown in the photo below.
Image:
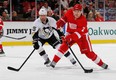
(53, 4)
(38, 8)
(55, 15)
(5, 7)
(98, 17)
(90, 16)
(73, 2)
(46, 6)
(64, 4)
(49, 13)
(33, 13)
(91, 7)
(16, 6)
(85, 10)
(5, 16)
(27, 10)
(14, 16)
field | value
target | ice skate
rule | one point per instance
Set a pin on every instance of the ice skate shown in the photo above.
(2, 54)
(105, 66)
(47, 62)
(73, 62)
(52, 64)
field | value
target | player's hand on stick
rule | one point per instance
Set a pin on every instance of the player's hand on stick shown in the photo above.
(35, 43)
(67, 38)
(36, 40)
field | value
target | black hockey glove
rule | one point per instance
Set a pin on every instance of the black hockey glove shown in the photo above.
(35, 43)
(35, 40)
(36, 46)
(60, 33)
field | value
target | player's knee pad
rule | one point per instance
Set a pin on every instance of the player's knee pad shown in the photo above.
(63, 48)
(42, 52)
(91, 55)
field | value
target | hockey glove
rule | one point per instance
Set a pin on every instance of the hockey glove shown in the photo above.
(68, 38)
(36, 46)
(35, 43)
(74, 36)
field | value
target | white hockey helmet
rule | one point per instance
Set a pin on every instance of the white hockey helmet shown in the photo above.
(42, 11)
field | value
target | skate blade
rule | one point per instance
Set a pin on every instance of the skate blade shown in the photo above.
(2, 55)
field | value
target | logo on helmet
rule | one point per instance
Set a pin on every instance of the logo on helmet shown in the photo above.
(42, 11)
(77, 7)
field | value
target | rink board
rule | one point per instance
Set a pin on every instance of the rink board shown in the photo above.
(100, 32)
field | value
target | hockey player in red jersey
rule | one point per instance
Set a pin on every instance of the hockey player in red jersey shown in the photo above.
(77, 32)
(1, 34)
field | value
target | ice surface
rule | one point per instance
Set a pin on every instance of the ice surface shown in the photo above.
(35, 70)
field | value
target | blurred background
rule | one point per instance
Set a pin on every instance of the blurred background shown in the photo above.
(27, 10)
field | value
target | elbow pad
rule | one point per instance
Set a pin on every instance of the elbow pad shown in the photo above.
(60, 23)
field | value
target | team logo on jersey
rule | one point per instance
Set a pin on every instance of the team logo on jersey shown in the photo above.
(72, 26)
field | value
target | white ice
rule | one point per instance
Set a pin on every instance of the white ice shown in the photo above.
(35, 70)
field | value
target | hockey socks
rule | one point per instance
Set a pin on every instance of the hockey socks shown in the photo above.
(45, 57)
(96, 60)
(56, 58)
(70, 57)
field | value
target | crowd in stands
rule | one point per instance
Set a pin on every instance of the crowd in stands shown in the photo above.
(27, 10)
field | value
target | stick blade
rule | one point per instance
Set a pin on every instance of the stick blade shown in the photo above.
(13, 69)
(89, 71)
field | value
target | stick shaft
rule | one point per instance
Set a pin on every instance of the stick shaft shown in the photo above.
(11, 68)
(85, 70)
(26, 59)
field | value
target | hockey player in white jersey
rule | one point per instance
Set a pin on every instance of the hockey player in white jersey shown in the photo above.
(43, 31)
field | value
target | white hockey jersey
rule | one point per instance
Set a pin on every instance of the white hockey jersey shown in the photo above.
(45, 31)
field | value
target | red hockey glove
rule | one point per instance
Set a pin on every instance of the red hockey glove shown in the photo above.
(63, 38)
(68, 38)
(74, 36)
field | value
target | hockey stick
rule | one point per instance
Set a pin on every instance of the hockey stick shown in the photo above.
(14, 37)
(14, 69)
(85, 70)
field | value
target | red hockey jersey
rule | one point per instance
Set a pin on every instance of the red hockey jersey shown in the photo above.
(75, 25)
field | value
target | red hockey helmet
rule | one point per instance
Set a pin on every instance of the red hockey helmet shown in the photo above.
(77, 7)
